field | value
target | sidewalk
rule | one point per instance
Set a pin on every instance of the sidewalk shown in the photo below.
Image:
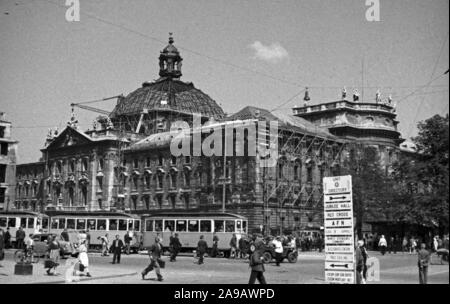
(63, 272)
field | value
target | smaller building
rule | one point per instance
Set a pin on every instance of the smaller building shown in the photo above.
(8, 148)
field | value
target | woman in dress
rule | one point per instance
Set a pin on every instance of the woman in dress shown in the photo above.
(83, 257)
(54, 250)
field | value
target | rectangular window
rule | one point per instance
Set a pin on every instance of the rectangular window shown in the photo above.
(218, 226)
(158, 225)
(70, 223)
(148, 225)
(309, 177)
(147, 162)
(169, 225)
(101, 224)
(130, 224)
(137, 225)
(205, 226)
(55, 223)
(122, 225)
(239, 226)
(113, 225)
(3, 221)
(91, 224)
(4, 148)
(45, 223)
(62, 223)
(23, 222)
(30, 222)
(81, 224)
(2, 195)
(229, 226)
(12, 222)
(135, 163)
(193, 226)
(2, 173)
(181, 226)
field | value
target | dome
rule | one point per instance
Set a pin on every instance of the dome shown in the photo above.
(167, 94)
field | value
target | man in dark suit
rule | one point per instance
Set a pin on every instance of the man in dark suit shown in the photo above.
(175, 247)
(155, 257)
(116, 247)
(202, 246)
(20, 237)
(422, 263)
(215, 250)
(257, 264)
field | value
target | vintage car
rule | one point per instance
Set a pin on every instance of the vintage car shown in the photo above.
(41, 244)
(289, 253)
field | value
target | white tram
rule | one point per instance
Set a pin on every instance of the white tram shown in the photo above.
(31, 222)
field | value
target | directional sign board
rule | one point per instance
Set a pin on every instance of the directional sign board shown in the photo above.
(339, 236)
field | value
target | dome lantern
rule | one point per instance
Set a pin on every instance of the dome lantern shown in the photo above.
(170, 61)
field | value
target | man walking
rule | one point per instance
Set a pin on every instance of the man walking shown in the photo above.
(7, 239)
(105, 245)
(116, 247)
(215, 250)
(127, 240)
(202, 246)
(233, 246)
(175, 247)
(422, 263)
(278, 250)
(382, 244)
(257, 265)
(155, 256)
(20, 237)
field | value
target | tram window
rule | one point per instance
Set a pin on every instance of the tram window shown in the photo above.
(91, 224)
(239, 226)
(45, 223)
(148, 225)
(130, 224)
(169, 225)
(193, 225)
(181, 226)
(3, 221)
(123, 225)
(113, 225)
(55, 222)
(205, 226)
(62, 223)
(81, 224)
(23, 222)
(137, 225)
(12, 222)
(70, 223)
(158, 225)
(229, 226)
(38, 222)
(30, 221)
(101, 224)
(218, 226)
(244, 226)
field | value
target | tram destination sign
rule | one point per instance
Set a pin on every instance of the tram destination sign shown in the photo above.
(339, 225)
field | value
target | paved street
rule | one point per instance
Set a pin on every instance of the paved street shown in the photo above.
(395, 269)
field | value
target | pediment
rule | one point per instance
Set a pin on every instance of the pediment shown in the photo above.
(69, 138)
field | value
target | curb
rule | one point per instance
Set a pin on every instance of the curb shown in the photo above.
(89, 279)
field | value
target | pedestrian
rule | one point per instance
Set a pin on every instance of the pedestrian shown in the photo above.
(7, 239)
(175, 246)
(278, 250)
(215, 247)
(83, 258)
(382, 244)
(233, 245)
(155, 258)
(88, 239)
(202, 247)
(242, 247)
(391, 244)
(54, 251)
(256, 264)
(20, 237)
(412, 245)
(105, 245)
(2, 245)
(65, 235)
(117, 246)
(359, 262)
(365, 256)
(422, 263)
(404, 245)
(127, 240)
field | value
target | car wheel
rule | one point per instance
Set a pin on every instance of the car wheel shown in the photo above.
(292, 257)
(267, 257)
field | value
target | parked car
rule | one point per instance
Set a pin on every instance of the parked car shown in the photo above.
(41, 244)
(289, 253)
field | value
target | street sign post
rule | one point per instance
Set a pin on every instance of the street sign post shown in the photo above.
(339, 235)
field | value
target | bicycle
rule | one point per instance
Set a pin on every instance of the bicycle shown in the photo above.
(26, 256)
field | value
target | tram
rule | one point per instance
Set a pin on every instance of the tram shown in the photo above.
(31, 222)
(190, 227)
(99, 223)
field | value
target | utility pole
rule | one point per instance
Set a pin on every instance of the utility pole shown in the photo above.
(224, 191)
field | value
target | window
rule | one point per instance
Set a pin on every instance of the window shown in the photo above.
(4, 148)
(113, 225)
(280, 171)
(229, 226)
(160, 181)
(91, 224)
(169, 225)
(122, 225)
(296, 172)
(147, 180)
(11, 222)
(81, 224)
(72, 166)
(218, 226)
(187, 178)
(147, 162)
(244, 226)
(59, 167)
(148, 225)
(205, 226)
(158, 225)
(173, 180)
(181, 226)
(3, 221)
(187, 159)
(23, 222)
(85, 165)
(2, 195)
(62, 223)
(309, 175)
(173, 160)
(135, 183)
(135, 163)
(70, 223)
(100, 164)
(2, 173)
(239, 226)
(160, 160)
(55, 223)
(45, 223)
(101, 224)
(137, 225)
(193, 226)
(130, 224)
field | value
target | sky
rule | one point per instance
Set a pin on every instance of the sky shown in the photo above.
(254, 52)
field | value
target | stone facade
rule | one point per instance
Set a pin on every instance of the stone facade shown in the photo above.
(8, 148)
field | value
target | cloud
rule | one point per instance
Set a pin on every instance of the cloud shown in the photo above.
(272, 53)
